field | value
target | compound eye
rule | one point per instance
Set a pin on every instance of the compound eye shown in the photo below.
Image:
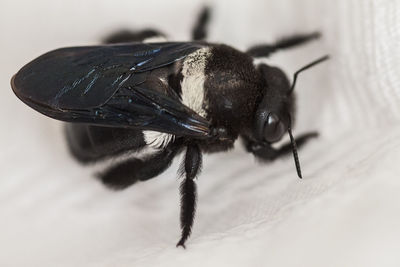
(274, 129)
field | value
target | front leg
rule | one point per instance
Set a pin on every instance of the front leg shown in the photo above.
(265, 50)
(190, 168)
(266, 152)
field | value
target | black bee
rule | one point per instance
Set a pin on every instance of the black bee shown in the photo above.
(165, 97)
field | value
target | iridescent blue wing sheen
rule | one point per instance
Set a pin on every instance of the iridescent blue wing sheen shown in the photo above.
(105, 85)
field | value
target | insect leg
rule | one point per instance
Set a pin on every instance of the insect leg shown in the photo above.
(199, 31)
(133, 170)
(191, 168)
(266, 50)
(268, 153)
(125, 36)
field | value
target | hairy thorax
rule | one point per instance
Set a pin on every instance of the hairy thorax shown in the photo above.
(232, 88)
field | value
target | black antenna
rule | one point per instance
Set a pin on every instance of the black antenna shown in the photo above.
(315, 62)
(295, 155)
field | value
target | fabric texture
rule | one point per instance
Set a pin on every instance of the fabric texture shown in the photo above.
(345, 212)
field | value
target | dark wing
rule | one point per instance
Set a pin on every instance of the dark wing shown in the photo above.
(105, 85)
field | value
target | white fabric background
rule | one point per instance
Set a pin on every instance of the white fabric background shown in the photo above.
(345, 212)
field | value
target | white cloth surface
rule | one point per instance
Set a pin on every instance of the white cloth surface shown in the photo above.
(345, 212)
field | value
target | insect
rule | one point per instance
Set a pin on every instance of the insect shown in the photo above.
(170, 97)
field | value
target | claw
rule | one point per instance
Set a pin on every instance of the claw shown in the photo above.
(181, 243)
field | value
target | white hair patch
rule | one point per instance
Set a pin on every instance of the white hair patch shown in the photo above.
(155, 39)
(157, 140)
(193, 80)
(104, 164)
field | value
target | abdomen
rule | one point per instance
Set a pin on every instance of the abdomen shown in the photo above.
(92, 143)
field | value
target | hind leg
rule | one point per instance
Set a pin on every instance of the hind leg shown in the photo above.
(199, 31)
(133, 170)
(126, 36)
